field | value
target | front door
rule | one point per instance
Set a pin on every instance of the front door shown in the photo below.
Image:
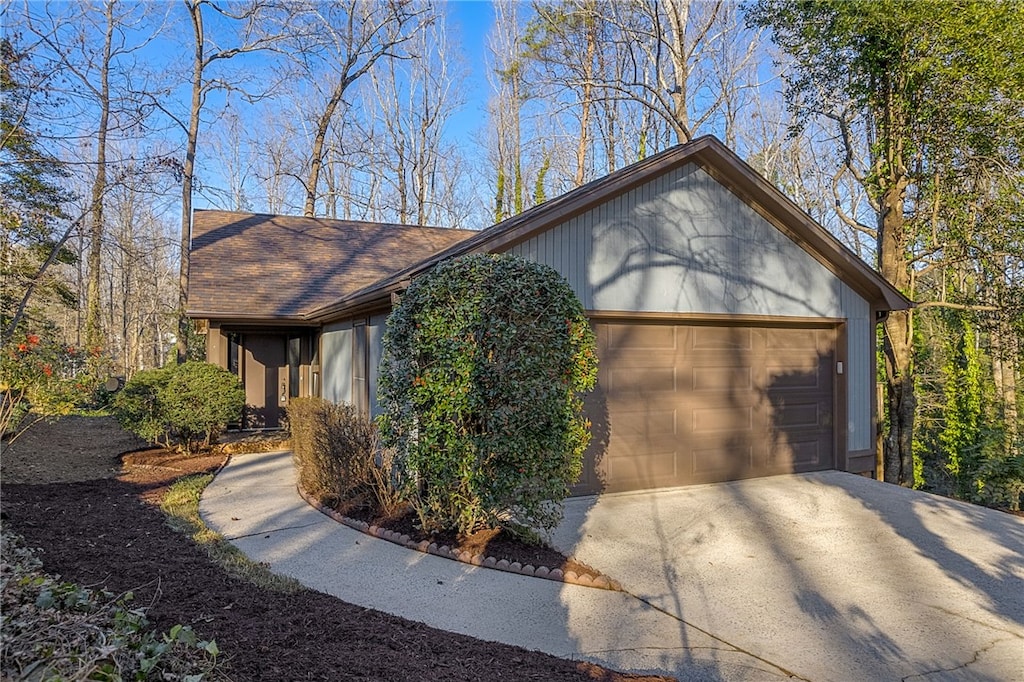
(265, 375)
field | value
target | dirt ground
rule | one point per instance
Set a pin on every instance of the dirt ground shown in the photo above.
(62, 487)
(73, 449)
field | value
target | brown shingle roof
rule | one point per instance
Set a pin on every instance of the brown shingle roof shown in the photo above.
(266, 266)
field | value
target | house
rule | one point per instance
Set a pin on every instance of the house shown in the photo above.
(736, 336)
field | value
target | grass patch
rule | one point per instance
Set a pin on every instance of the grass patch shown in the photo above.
(181, 505)
(91, 412)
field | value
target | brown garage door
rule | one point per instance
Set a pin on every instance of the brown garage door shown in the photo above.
(682, 404)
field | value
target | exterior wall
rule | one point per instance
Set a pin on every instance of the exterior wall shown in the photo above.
(375, 331)
(860, 379)
(336, 348)
(336, 362)
(216, 346)
(683, 243)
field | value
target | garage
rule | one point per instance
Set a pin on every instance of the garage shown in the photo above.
(679, 404)
(737, 337)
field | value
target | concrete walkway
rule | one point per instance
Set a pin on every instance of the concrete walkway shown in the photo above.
(821, 577)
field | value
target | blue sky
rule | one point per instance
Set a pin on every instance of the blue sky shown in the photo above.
(474, 19)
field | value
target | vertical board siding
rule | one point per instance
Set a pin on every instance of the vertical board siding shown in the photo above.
(683, 243)
(376, 342)
(336, 359)
(860, 381)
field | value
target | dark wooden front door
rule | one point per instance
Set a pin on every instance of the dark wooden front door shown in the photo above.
(265, 376)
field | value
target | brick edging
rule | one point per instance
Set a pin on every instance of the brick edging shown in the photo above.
(602, 582)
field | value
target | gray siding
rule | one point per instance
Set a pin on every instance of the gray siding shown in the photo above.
(683, 243)
(376, 339)
(860, 381)
(336, 349)
(336, 362)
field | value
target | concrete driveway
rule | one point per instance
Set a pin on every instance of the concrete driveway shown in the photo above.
(829, 576)
(815, 577)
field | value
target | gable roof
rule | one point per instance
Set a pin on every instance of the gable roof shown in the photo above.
(709, 154)
(269, 267)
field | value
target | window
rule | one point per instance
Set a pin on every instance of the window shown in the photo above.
(233, 353)
(294, 365)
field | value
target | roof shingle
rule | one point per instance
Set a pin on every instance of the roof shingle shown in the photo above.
(269, 266)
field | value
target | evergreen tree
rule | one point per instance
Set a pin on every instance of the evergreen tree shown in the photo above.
(33, 225)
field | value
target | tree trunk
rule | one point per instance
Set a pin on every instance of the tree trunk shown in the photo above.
(901, 400)
(188, 171)
(678, 12)
(586, 96)
(1004, 371)
(93, 323)
(316, 159)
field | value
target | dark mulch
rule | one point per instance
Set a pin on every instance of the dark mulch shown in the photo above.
(490, 542)
(108, 533)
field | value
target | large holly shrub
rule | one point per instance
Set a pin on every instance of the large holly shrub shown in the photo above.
(485, 361)
(180, 405)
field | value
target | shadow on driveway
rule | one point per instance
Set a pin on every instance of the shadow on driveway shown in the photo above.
(830, 576)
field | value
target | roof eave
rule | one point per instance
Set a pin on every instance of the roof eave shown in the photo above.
(222, 316)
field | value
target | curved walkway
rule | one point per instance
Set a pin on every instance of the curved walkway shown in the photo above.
(818, 577)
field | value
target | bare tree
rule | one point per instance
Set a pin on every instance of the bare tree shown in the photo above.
(333, 45)
(506, 107)
(414, 99)
(91, 44)
(205, 55)
(685, 66)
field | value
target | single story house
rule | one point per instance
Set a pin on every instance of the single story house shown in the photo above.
(736, 335)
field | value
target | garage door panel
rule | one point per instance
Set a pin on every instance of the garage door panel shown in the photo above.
(798, 455)
(721, 461)
(641, 337)
(722, 378)
(700, 403)
(719, 338)
(649, 470)
(790, 339)
(641, 380)
(725, 419)
(800, 376)
(635, 426)
(798, 414)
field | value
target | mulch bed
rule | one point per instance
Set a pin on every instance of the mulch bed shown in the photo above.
(108, 533)
(490, 542)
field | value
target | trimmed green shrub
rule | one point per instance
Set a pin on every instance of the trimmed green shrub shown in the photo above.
(180, 405)
(334, 450)
(200, 400)
(138, 407)
(484, 364)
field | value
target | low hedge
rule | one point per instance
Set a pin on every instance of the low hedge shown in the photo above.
(180, 405)
(334, 451)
